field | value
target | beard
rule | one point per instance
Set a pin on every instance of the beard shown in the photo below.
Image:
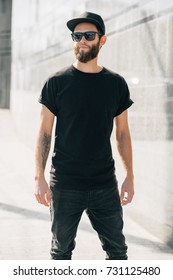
(83, 56)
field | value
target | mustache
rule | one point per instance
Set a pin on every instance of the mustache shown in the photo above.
(78, 49)
(82, 45)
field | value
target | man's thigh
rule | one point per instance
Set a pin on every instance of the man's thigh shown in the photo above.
(66, 209)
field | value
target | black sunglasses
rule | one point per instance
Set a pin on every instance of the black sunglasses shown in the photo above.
(89, 35)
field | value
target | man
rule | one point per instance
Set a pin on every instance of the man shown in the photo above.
(86, 99)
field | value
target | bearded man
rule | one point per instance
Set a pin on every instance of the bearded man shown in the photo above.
(86, 99)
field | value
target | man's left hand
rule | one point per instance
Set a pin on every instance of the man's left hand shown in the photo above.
(127, 191)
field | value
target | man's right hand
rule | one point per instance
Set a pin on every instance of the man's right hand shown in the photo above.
(42, 192)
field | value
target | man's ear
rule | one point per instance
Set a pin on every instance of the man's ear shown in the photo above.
(103, 40)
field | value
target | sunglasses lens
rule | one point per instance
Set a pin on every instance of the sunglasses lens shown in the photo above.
(77, 36)
(90, 36)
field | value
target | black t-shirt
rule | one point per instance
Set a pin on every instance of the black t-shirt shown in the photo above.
(85, 105)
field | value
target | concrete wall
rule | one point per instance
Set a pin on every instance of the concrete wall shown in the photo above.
(142, 41)
(5, 52)
(139, 46)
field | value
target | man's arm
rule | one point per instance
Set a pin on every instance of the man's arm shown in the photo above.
(42, 148)
(124, 147)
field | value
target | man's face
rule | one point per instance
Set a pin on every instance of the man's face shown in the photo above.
(86, 50)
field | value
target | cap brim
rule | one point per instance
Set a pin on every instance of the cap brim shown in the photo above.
(73, 22)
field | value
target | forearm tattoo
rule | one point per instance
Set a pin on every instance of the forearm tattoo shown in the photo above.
(46, 140)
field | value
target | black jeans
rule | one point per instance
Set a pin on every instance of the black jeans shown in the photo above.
(104, 210)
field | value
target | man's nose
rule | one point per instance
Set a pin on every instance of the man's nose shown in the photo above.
(83, 39)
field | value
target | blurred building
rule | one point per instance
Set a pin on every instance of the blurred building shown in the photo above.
(5, 52)
(139, 47)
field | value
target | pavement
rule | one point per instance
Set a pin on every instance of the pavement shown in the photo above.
(25, 224)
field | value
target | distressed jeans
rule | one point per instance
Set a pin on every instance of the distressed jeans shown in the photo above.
(104, 210)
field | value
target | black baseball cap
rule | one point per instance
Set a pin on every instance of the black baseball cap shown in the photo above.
(87, 17)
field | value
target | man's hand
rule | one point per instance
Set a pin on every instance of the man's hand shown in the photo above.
(42, 192)
(127, 191)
